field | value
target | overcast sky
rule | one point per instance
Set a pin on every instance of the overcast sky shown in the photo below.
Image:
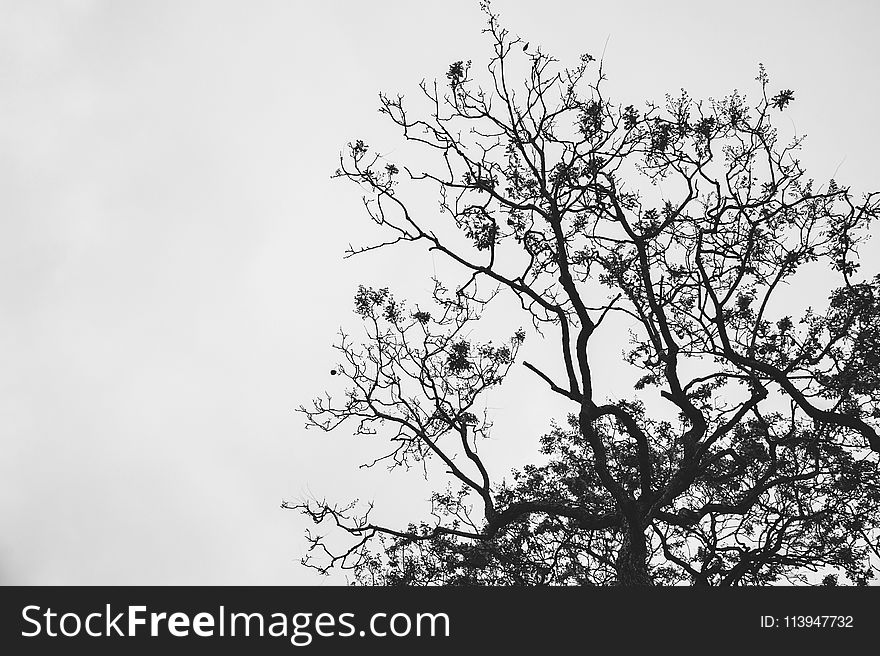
(171, 273)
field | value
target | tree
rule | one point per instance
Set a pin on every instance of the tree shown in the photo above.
(748, 451)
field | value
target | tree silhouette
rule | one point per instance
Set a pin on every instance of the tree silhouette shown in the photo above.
(748, 451)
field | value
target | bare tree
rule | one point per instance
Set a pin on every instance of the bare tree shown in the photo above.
(688, 220)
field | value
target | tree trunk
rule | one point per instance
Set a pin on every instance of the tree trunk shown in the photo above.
(632, 559)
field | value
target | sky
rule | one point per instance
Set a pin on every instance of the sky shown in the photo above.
(171, 270)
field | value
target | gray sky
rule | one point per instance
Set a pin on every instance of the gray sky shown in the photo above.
(170, 243)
